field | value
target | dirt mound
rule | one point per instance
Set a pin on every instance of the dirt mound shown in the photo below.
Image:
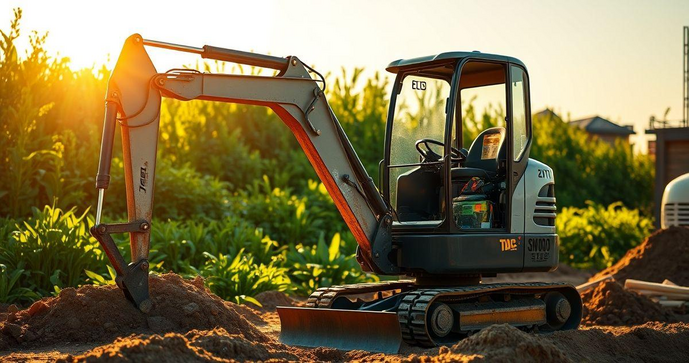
(173, 347)
(663, 255)
(506, 344)
(497, 343)
(650, 342)
(99, 313)
(209, 346)
(610, 304)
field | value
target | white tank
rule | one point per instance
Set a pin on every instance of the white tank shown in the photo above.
(674, 209)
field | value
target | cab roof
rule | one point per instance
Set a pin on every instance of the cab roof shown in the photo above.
(403, 64)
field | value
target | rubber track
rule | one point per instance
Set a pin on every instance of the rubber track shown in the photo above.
(414, 307)
(324, 296)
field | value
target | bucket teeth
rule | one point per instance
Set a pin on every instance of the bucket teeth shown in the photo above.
(372, 331)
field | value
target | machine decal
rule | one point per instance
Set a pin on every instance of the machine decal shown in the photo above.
(539, 249)
(491, 146)
(544, 174)
(418, 85)
(143, 177)
(509, 244)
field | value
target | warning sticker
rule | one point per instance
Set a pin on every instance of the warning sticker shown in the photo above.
(491, 144)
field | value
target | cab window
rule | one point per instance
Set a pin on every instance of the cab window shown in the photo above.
(520, 132)
(418, 127)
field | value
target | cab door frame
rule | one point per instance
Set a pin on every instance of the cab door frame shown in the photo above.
(444, 226)
(515, 169)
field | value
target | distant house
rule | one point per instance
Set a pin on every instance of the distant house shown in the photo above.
(604, 130)
(546, 114)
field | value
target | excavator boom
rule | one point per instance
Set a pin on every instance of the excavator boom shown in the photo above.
(133, 100)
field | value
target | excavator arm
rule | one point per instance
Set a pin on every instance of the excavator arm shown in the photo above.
(133, 100)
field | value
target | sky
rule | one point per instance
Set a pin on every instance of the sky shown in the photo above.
(621, 60)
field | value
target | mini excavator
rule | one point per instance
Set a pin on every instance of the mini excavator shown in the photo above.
(445, 215)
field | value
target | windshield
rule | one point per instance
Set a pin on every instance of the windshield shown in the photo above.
(419, 114)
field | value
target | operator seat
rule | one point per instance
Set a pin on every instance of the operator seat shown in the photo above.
(485, 156)
(478, 178)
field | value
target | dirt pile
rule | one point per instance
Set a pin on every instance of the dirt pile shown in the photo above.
(650, 342)
(610, 304)
(216, 345)
(501, 343)
(663, 255)
(497, 343)
(93, 313)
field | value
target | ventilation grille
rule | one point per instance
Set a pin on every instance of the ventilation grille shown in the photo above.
(676, 214)
(545, 211)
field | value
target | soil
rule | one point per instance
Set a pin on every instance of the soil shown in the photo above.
(663, 255)
(188, 323)
(610, 304)
(93, 313)
(651, 342)
(213, 345)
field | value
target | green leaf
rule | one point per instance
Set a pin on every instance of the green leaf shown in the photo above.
(100, 280)
(334, 249)
(251, 300)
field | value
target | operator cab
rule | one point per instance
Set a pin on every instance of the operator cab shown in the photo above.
(458, 126)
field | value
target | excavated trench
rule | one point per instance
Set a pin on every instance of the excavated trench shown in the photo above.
(189, 323)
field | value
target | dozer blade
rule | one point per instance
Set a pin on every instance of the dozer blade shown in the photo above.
(373, 331)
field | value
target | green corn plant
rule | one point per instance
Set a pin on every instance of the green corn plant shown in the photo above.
(100, 280)
(178, 245)
(238, 278)
(41, 101)
(174, 244)
(232, 235)
(181, 192)
(10, 289)
(322, 265)
(54, 246)
(292, 218)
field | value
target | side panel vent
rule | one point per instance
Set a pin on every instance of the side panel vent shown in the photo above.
(676, 214)
(545, 210)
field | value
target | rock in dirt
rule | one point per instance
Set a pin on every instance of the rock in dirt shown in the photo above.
(13, 330)
(663, 255)
(100, 313)
(610, 304)
(37, 307)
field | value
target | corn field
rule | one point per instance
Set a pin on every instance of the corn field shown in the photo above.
(236, 200)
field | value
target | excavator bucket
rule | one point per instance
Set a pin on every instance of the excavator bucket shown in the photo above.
(373, 331)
